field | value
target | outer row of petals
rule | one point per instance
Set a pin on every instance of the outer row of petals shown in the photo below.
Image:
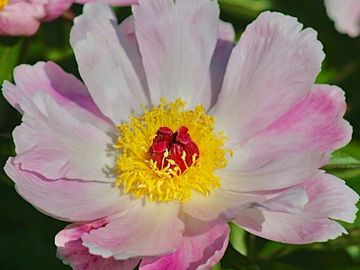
(23, 18)
(200, 251)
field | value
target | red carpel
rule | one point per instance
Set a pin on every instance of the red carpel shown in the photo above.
(173, 150)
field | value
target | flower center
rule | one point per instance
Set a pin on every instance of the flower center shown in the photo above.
(168, 152)
(173, 152)
(3, 3)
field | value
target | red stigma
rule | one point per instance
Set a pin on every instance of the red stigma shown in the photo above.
(178, 146)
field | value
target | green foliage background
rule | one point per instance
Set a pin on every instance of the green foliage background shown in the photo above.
(26, 235)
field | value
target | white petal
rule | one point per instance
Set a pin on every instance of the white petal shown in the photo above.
(273, 66)
(177, 41)
(107, 63)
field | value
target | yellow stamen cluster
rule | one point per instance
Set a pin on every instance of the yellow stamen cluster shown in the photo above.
(3, 3)
(139, 176)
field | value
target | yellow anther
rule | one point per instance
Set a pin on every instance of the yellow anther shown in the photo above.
(139, 176)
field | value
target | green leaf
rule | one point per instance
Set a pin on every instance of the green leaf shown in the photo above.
(245, 8)
(237, 239)
(352, 149)
(217, 266)
(340, 160)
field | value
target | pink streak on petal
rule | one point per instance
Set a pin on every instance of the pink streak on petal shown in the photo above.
(48, 77)
(200, 252)
(317, 121)
(74, 231)
(293, 146)
(72, 252)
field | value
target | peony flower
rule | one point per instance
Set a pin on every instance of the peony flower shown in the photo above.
(345, 14)
(23, 17)
(110, 2)
(177, 131)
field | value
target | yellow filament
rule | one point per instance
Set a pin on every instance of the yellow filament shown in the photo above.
(139, 176)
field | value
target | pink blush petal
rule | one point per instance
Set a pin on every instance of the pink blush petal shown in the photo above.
(66, 199)
(293, 146)
(300, 223)
(314, 123)
(177, 40)
(273, 66)
(72, 252)
(346, 15)
(285, 228)
(54, 8)
(330, 197)
(55, 144)
(78, 257)
(74, 231)
(21, 18)
(200, 252)
(148, 229)
(111, 2)
(48, 77)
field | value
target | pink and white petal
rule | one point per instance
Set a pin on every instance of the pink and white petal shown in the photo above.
(105, 64)
(49, 78)
(177, 40)
(279, 173)
(272, 67)
(127, 36)
(345, 14)
(328, 198)
(219, 61)
(200, 252)
(293, 146)
(286, 228)
(55, 144)
(148, 229)
(314, 123)
(111, 2)
(75, 231)
(68, 200)
(219, 205)
(72, 252)
(21, 18)
(78, 257)
(54, 8)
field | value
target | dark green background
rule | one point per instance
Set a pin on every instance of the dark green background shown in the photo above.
(27, 236)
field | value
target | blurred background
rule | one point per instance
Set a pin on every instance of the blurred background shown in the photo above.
(27, 236)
